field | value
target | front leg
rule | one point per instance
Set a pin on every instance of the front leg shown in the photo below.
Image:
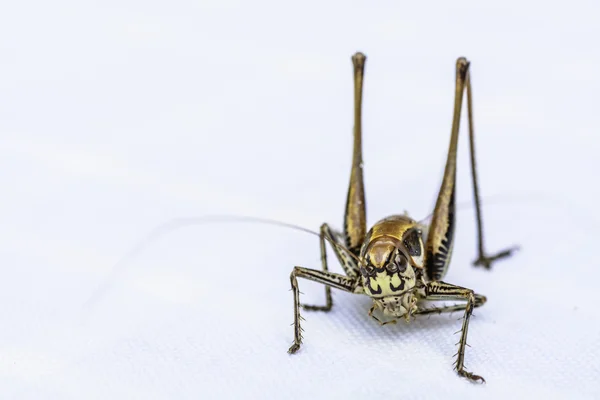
(445, 291)
(327, 278)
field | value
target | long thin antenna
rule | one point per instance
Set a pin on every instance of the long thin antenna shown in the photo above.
(179, 223)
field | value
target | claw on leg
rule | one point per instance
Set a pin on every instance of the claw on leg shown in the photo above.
(294, 348)
(487, 261)
(472, 377)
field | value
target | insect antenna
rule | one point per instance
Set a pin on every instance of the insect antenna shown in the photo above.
(179, 223)
(185, 222)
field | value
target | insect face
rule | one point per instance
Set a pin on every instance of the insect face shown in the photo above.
(387, 275)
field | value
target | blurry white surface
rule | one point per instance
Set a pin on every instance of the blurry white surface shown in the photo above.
(118, 116)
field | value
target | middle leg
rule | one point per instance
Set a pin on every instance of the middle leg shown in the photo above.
(347, 262)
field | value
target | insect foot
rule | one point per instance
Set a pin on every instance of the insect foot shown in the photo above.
(472, 377)
(487, 261)
(294, 348)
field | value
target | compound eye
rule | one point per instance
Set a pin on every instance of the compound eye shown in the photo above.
(401, 263)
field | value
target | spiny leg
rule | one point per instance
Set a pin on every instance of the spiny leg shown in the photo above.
(355, 224)
(440, 239)
(354, 216)
(355, 220)
(327, 278)
(347, 262)
(445, 291)
(483, 259)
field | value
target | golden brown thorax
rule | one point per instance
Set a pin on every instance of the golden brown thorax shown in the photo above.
(391, 233)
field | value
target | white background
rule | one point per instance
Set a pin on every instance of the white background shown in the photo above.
(117, 116)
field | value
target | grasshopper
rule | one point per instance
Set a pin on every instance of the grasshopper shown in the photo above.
(400, 262)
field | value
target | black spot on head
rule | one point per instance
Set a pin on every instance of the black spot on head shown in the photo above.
(373, 291)
(400, 287)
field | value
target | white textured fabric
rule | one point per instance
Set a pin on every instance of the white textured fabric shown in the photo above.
(120, 116)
